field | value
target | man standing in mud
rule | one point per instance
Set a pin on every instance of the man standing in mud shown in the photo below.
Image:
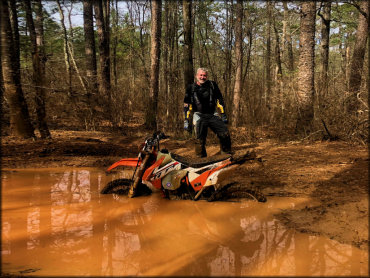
(202, 98)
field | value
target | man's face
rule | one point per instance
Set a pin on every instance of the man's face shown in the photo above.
(201, 76)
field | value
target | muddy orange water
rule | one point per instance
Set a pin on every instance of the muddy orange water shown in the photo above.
(55, 223)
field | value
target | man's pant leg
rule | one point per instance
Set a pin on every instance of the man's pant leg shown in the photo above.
(200, 128)
(222, 132)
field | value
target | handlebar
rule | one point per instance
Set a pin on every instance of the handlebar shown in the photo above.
(160, 135)
(153, 141)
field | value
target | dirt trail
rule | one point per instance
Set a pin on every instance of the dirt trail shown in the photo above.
(333, 174)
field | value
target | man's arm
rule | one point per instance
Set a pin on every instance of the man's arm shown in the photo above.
(187, 107)
(187, 110)
(218, 96)
(220, 102)
(187, 101)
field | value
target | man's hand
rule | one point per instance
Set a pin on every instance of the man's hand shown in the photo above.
(186, 125)
(224, 118)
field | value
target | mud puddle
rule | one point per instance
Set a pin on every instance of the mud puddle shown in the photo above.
(55, 223)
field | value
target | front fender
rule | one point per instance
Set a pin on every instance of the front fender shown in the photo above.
(128, 162)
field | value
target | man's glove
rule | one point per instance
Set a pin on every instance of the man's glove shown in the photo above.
(186, 125)
(224, 118)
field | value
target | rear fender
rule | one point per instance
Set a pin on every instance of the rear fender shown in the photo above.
(126, 162)
(203, 179)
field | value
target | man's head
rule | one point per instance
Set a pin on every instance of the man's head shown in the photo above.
(202, 75)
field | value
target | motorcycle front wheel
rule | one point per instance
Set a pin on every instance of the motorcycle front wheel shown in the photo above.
(119, 186)
(237, 192)
(122, 187)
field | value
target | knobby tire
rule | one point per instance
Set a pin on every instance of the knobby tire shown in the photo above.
(237, 191)
(120, 186)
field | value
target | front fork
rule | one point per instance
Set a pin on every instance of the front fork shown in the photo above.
(138, 176)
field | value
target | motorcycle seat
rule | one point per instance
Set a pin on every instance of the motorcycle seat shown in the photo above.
(199, 162)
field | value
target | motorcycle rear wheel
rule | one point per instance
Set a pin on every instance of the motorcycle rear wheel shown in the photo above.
(237, 192)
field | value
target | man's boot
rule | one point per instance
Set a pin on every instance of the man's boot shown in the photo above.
(225, 143)
(200, 149)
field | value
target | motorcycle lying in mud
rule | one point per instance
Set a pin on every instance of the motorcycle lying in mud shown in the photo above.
(181, 178)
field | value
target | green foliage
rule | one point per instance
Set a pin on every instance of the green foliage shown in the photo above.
(344, 24)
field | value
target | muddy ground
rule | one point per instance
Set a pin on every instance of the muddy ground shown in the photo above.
(333, 174)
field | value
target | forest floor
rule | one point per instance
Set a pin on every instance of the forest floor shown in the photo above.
(334, 175)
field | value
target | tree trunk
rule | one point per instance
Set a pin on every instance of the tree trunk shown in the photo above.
(106, 14)
(90, 50)
(15, 29)
(357, 61)
(268, 55)
(67, 59)
(288, 39)
(172, 66)
(306, 85)
(20, 123)
(40, 39)
(156, 21)
(325, 38)
(228, 49)
(166, 48)
(104, 58)
(368, 48)
(38, 68)
(115, 43)
(178, 99)
(347, 60)
(239, 62)
(1, 76)
(188, 43)
(279, 69)
(249, 48)
(90, 61)
(69, 47)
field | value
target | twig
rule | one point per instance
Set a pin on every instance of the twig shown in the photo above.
(311, 134)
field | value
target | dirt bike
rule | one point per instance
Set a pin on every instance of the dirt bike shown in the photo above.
(180, 177)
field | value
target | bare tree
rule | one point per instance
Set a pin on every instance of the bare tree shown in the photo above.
(38, 70)
(1, 77)
(115, 41)
(174, 66)
(268, 53)
(90, 50)
(104, 55)
(14, 25)
(287, 45)
(67, 58)
(90, 58)
(239, 61)
(156, 21)
(279, 69)
(325, 38)
(306, 86)
(40, 38)
(170, 27)
(20, 123)
(227, 53)
(188, 49)
(166, 48)
(358, 56)
(368, 47)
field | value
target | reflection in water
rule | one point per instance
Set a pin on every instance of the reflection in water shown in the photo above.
(55, 222)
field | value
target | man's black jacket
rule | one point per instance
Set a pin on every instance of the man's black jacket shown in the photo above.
(203, 98)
